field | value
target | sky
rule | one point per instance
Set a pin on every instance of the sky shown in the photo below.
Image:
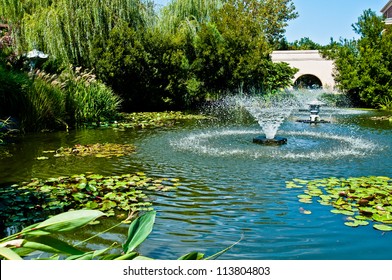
(320, 20)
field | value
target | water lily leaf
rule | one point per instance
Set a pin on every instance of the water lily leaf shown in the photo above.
(101, 156)
(300, 181)
(362, 222)
(305, 200)
(351, 224)
(304, 196)
(385, 217)
(42, 158)
(344, 212)
(382, 227)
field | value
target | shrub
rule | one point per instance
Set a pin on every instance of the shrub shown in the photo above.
(87, 99)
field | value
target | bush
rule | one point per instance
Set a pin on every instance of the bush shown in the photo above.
(46, 101)
(87, 99)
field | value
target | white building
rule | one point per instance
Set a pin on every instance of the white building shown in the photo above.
(387, 12)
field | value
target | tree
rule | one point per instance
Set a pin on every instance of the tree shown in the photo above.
(233, 50)
(66, 29)
(364, 66)
(304, 44)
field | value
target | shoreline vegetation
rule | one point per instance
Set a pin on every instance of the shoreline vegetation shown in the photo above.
(124, 64)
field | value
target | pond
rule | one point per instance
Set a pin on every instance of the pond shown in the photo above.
(231, 188)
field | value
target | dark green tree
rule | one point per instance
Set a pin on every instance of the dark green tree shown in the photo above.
(233, 51)
(364, 66)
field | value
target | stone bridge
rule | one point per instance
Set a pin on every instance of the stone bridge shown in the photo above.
(313, 70)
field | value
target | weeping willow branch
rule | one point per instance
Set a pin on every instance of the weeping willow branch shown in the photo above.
(67, 29)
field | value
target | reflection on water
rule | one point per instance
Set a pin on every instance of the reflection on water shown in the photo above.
(232, 187)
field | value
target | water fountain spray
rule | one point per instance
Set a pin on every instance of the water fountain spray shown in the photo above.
(270, 112)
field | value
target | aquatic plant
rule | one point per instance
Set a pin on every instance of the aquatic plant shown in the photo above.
(154, 119)
(362, 199)
(106, 150)
(86, 98)
(31, 201)
(43, 237)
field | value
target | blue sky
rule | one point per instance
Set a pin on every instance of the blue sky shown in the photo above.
(322, 19)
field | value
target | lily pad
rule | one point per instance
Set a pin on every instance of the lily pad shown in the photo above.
(369, 198)
(382, 227)
(39, 198)
(107, 150)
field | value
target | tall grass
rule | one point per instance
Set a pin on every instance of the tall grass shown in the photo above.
(88, 100)
(46, 101)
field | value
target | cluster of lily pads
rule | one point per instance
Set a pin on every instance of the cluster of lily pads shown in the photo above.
(141, 120)
(362, 199)
(106, 150)
(30, 201)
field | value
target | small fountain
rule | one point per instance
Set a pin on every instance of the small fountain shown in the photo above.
(270, 113)
(314, 110)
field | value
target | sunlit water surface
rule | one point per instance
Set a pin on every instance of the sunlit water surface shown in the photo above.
(232, 188)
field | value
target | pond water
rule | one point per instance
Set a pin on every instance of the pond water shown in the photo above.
(230, 187)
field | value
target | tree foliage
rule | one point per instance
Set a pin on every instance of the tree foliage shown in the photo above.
(364, 66)
(66, 28)
(189, 51)
(302, 44)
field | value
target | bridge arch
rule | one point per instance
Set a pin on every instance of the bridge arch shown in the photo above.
(308, 62)
(308, 81)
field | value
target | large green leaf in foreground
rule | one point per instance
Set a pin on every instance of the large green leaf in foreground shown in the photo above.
(138, 231)
(63, 222)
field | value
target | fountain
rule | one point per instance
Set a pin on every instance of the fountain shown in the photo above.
(314, 110)
(270, 113)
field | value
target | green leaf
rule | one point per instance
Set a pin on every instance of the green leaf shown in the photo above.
(64, 222)
(128, 256)
(51, 245)
(344, 212)
(9, 254)
(382, 227)
(142, 258)
(138, 231)
(216, 255)
(192, 256)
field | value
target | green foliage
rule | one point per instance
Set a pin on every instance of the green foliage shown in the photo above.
(87, 99)
(186, 13)
(304, 43)
(232, 50)
(154, 119)
(42, 101)
(106, 150)
(30, 240)
(138, 231)
(36, 104)
(66, 29)
(364, 66)
(364, 198)
(30, 201)
(177, 59)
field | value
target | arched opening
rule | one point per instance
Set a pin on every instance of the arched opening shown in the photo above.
(308, 81)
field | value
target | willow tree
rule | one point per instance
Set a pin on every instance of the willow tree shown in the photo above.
(66, 29)
(188, 14)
